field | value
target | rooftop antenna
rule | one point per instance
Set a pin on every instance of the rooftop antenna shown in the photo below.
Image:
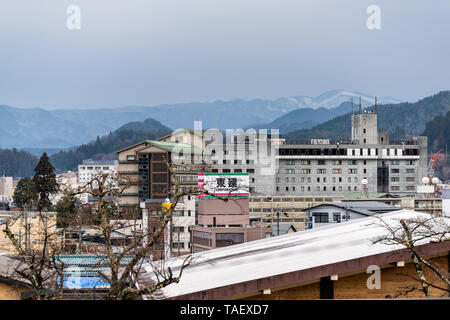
(376, 104)
(360, 104)
(353, 125)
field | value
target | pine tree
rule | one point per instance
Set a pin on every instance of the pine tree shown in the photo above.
(45, 182)
(25, 195)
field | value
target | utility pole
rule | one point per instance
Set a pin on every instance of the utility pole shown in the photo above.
(25, 214)
(278, 222)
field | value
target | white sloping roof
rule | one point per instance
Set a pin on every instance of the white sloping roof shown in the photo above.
(287, 253)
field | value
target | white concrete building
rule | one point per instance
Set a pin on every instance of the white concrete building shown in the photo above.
(89, 168)
(7, 186)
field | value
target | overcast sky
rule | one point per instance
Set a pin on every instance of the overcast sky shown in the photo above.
(148, 52)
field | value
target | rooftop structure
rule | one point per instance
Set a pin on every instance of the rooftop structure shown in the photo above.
(296, 260)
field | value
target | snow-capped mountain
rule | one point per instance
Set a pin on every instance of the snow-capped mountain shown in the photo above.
(67, 127)
(330, 99)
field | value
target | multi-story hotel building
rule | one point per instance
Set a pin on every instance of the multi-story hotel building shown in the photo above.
(323, 167)
(145, 166)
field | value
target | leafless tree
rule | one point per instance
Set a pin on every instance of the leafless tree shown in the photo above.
(126, 264)
(41, 266)
(411, 233)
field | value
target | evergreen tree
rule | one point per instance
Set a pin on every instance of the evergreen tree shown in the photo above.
(25, 194)
(67, 209)
(45, 182)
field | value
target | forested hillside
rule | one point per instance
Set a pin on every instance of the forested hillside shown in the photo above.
(438, 133)
(17, 164)
(400, 120)
(103, 148)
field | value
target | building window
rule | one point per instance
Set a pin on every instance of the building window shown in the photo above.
(352, 171)
(306, 171)
(336, 217)
(321, 162)
(337, 171)
(321, 171)
(178, 245)
(226, 239)
(337, 162)
(320, 217)
(409, 170)
(178, 229)
(395, 170)
(352, 162)
(305, 162)
(131, 158)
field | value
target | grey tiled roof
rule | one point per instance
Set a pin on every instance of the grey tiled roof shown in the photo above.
(8, 267)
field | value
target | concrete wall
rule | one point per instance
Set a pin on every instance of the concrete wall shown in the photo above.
(18, 230)
(10, 291)
(232, 212)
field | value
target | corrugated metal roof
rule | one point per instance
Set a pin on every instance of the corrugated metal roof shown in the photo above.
(283, 254)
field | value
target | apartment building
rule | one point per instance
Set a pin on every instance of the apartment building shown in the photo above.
(146, 167)
(324, 167)
(7, 186)
(89, 168)
(248, 152)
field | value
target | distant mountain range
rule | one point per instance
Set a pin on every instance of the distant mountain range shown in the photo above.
(34, 129)
(400, 120)
(305, 118)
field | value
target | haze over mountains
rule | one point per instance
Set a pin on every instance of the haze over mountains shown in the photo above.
(40, 128)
